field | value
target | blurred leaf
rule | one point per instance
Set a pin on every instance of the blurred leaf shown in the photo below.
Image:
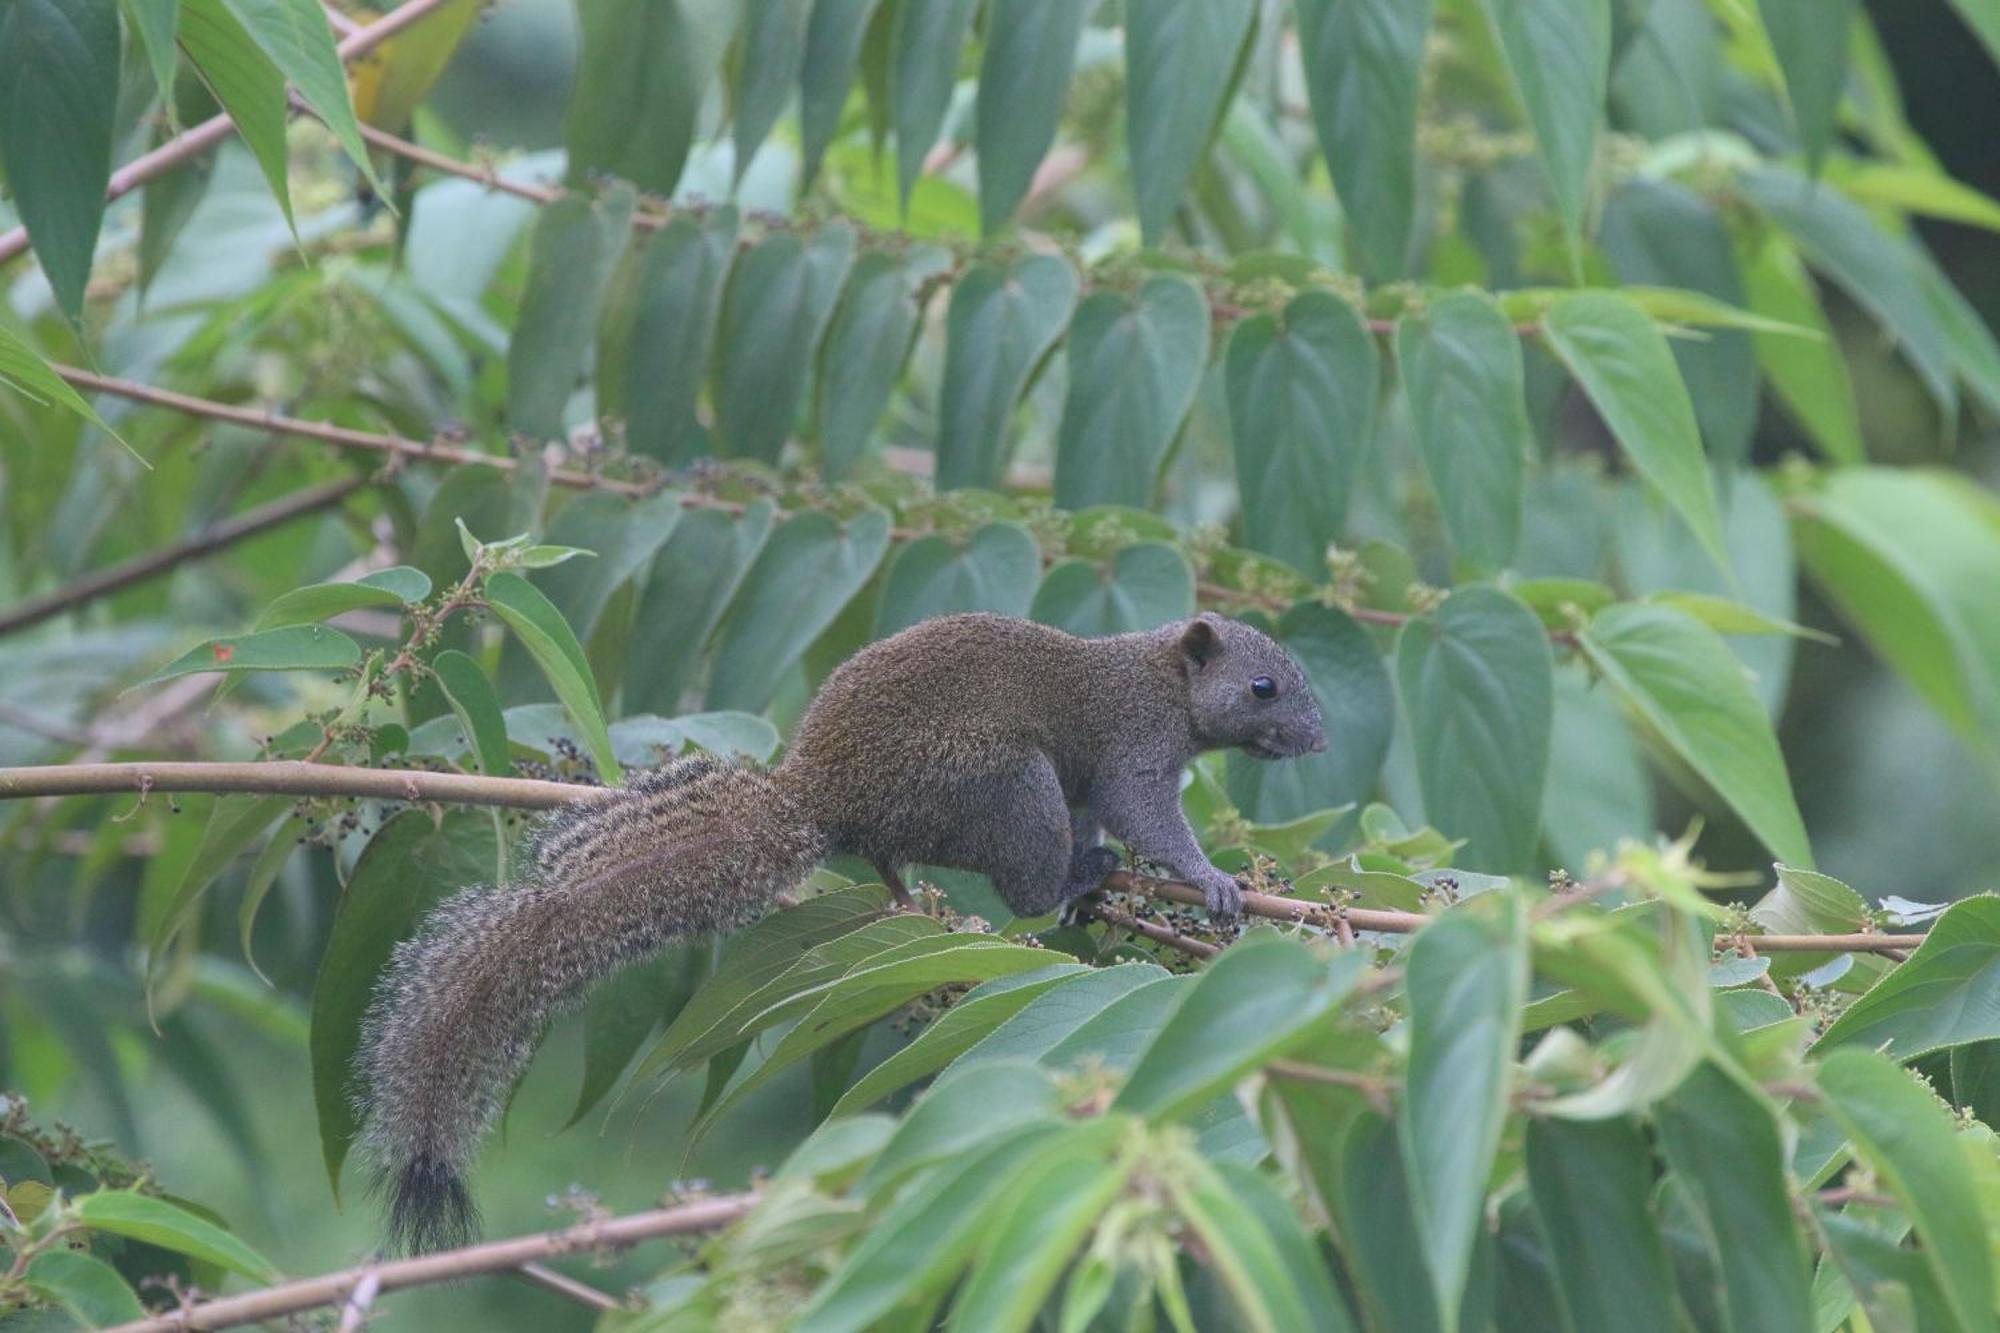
(1461, 370)
(235, 822)
(478, 710)
(659, 326)
(1975, 1079)
(923, 70)
(982, 1010)
(1251, 1266)
(1680, 680)
(1598, 789)
(23, 370)
(1364, 63)
(298, 648)
(1467, 979)
(1726, 1146)
(84, 1286)
(693, 580)
(1182, 58)
(1250, 1005)
(1002, 322)
(809, 570)
(773, 51)
(399, 585)
(834, 38)
(1135, 365)
(1809, 374)
(1475, 681)
(244, 80)
(408, 865)
(58, 110)
(1895, 1287)
(155, 23)
(866, 346)
(1302, 413)
(1810, 39)
(1727, 617)
(780, 296)
(1620, 358)
(298, 39)
(1947, 994)
(1558, 53)
(548, 638)
(392, 80)
(620, 537)
(1357, 703)
(996, 570)
(1297, 1248)
(624, 1011)
(263, 873)
(644, 63)
(1900, 1131)
(158, 1222)
(1029, 49)
(1914, 189)
(576, 244)
(1591, 1181)
(1145, 585)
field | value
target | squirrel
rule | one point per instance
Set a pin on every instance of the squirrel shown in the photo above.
(979, 742)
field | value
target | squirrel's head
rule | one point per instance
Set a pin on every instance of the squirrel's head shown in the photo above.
(1247, 692)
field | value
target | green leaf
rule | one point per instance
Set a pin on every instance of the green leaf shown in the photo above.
(1357, 703)
(575, 247)
(1592, 1181)
(1947, 994)
(1042, 1029)
(1882, 272)
(158, 1222)
(58, 110)
(244, 80)
(1681, 681)
(1364, 63)
(1466, 979)
(1810, 40)
(263, 873)
(624, 1011)
(659, 325)
(1620, 358)
(982, 1010)
(298, 39)
(923, 69)
(1809, 374)
(550, 641)
(1297, 1248)
(406, 868)
(1302, 412)
(156, 22)
(298, 648)
(1727, 617)
(1135, 365)
(956, 1114)
(1246, 1258)
(1726, 1147)
(834, 39)
(23, 370)
(399, 585)
(1181, 59)
(866, 346)
(1662, 234)
(1476, 679)
(805, 575)
(620, 536)
(1914, 188)
(1024, 70)
(995, 570)
(1462, 378)
(1911, 564)
(1898, 1129)
(1869, 1263)
(1558, 55)
(235, 822)
(780, 296)
(83, 1286)
(1002, 322)
(477, 708)
(1250, 1005)
(1145, 585)
(773, 52)
(642, 74)
(693, 580)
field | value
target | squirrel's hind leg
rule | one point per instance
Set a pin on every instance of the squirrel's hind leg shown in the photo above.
(897, 888)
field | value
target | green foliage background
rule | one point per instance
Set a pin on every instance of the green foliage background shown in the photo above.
(1593, 393)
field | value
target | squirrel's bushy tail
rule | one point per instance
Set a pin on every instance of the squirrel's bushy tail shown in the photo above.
(700, 846)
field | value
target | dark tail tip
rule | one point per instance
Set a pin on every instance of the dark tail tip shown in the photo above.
(429, 1207)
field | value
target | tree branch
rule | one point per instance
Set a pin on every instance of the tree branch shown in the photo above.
(213, 538)
(192, 142)
(497, 1256)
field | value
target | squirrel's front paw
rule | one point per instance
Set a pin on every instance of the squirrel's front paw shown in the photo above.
(1223, 895)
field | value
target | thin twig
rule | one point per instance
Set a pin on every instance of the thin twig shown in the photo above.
(492, 1257)
(213, 538)
(193, 142)
(565, 1285)
(1162, 934)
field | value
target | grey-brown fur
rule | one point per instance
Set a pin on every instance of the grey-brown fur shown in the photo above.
(981, 742)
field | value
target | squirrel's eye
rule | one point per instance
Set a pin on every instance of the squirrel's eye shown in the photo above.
(1264, 687)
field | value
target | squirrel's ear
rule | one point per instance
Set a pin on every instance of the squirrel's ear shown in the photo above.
(1200, 642)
